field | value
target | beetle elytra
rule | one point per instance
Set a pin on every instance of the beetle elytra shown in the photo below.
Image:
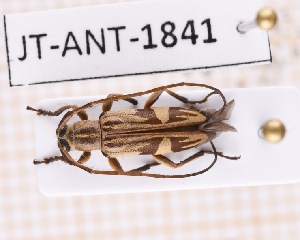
(149, 131)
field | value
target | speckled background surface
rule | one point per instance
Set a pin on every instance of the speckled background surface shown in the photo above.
(264, 212)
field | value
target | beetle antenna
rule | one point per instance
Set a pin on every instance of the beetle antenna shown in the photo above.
(31, 109)
(48, 160)
(41, 112)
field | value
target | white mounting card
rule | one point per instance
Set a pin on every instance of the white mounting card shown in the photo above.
(132, 38)
(261, 162)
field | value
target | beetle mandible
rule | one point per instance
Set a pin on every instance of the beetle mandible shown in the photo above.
(148, 131)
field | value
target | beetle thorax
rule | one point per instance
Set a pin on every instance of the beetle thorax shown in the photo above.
(82, 136)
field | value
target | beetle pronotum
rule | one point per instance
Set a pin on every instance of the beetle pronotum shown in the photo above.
(147, 131)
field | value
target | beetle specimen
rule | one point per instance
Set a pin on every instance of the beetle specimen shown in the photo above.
(148, 131)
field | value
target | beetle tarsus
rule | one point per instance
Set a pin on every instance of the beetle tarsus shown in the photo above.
(145, 167)
(220, 154)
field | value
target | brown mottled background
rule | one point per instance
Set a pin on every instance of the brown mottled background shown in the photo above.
(264, 212)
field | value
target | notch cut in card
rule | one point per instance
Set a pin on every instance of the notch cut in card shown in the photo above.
(159, 36)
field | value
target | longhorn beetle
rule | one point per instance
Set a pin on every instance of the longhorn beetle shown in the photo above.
(147, 131)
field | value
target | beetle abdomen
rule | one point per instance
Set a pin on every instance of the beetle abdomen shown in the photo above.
(151, 143)
(141, 120)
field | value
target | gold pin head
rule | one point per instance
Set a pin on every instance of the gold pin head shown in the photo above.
(266, 18)
(273, 131)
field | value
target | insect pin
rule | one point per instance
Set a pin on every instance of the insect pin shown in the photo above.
(147, 131)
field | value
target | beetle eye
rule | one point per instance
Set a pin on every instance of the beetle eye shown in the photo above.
(65, 143)
(63, 131)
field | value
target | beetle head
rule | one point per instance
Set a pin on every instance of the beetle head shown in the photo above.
(64, 137)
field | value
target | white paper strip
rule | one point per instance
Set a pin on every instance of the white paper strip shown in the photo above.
(131, 38)
(261, 162)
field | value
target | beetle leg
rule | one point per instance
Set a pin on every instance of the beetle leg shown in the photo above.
(167, 162)
(145, 167)
(114, 163)
(185, 100)
(155, 96)
(82, 114)
(222, 155)
(68, 159)
(107, 105)
(84, 157)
